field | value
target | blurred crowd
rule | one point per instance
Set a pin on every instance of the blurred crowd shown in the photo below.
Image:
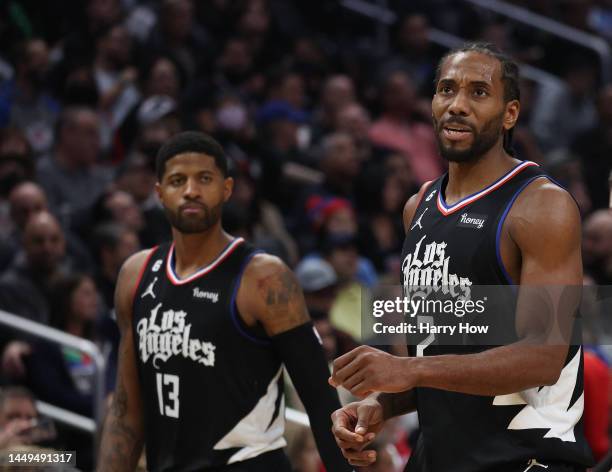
(328, 128)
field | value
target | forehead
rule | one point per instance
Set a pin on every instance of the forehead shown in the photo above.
(191, 161)
(471, 67)
(11, 404)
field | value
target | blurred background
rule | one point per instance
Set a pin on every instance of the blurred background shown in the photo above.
(324, 109)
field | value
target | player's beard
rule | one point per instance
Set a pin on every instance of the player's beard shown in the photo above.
(192, 225)
(482, 142)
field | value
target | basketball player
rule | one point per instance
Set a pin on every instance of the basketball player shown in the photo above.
(207, 323)
(496, 220)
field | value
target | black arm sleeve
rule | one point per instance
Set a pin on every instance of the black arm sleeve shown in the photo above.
(305, 361)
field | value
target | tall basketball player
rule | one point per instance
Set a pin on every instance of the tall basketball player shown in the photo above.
(207, 323)
(496, 220)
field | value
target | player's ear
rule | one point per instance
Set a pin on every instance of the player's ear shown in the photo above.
(158, 191)
(513, 108)
(228, 188)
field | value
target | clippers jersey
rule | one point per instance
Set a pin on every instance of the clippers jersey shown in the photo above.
(212, 391)
(471, 433)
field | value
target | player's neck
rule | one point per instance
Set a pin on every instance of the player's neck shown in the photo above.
(466, 178)
(194, 251)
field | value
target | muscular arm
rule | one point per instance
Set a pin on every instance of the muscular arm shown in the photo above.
(269, 294)
(545, 226)
(122, 437)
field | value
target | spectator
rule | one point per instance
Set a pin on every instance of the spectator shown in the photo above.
(177, 35)
(70, 176)
(415, 53)
(24, 288)
(24, 103)
(338, 92)
(27, 199)
(397, 129)
(597, 246)
(64, 376)
(136, 176)
(594, 146)
(340, 164)
(113, 244)
(115, 78)
(17, 414)
(561, 113)
(354, 120)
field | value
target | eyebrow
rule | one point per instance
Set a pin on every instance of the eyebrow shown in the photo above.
(474, 83)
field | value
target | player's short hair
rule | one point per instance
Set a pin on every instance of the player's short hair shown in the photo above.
(509, 75)
(190, 142)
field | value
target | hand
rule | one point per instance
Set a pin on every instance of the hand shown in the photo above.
(365, 370)
(11, 434)
(354, 427)
(12, 358)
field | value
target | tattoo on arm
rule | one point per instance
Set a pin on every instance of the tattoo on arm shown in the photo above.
(284, 302)
(122, 439)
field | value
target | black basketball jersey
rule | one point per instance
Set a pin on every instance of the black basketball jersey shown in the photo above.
(212, 389)
(459, 245)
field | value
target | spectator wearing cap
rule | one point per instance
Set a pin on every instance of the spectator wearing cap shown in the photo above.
(279, 124)
(70, 176)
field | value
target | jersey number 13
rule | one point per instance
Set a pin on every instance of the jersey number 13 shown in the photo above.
(168, 383)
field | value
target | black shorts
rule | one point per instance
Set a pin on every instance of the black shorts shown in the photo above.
(270, 461)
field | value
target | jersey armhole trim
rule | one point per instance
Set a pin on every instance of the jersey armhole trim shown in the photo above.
(421, 194)
(500, 225)
(238, 324)
(141, 274)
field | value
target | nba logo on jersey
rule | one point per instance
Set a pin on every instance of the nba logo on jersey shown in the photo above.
(430, 196)
(157, 265)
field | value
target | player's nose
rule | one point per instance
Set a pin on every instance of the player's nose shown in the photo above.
(192, 189)
(459, 105)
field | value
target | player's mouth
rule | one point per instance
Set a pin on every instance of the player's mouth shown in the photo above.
(191, 208)
(455, 132)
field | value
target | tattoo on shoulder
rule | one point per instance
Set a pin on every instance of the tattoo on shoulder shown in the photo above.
(283, 297)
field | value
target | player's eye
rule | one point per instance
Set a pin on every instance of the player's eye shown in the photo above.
(480, 92)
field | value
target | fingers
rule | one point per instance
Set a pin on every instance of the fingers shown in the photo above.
(359, 458)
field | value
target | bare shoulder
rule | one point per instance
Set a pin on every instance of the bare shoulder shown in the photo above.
(126, 284)
(547, 209)
(412, 204)
(270, 293)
